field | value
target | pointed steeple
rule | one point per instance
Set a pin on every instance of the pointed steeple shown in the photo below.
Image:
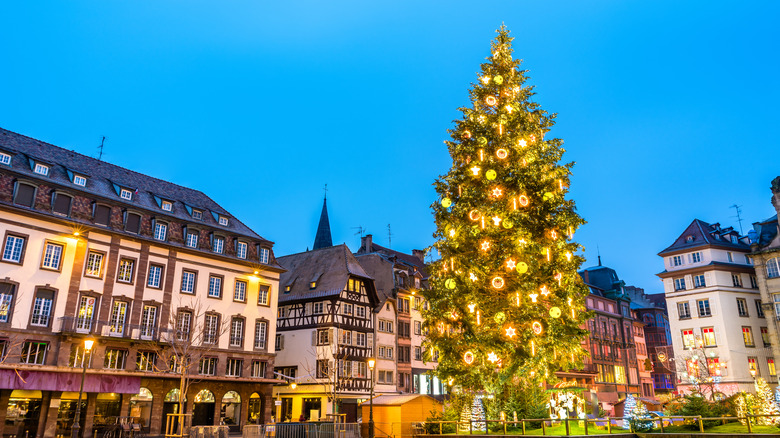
(323, 238)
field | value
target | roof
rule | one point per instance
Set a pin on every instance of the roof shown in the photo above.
(323, 237)
(601, 279)
(766, 234)
(382, 271)
(396, 399)
(368, 247)
(700, 233)
(329, 267)
(105, 180)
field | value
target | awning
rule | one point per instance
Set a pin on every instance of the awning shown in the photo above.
(52, 381)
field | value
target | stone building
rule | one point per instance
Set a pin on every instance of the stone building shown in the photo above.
(92, 250)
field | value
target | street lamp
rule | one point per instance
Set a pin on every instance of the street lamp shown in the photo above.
(371, 363)
(88, 343)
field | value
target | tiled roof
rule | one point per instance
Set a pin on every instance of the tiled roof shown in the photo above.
(700, 233)
(409, 259)
(330, 267)
(105, 180)
(766, 234)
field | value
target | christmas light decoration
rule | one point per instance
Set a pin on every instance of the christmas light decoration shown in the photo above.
(507, 260)
(446, 202)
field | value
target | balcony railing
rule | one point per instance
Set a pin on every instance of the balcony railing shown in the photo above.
(70, 324)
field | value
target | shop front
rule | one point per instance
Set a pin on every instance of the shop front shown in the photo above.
(23, 413)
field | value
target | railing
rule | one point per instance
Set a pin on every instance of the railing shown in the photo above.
(302, 430)
(70, 324)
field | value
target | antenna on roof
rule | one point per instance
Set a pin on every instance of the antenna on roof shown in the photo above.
(100, 154)
(389, 237)
(739, 216)
(361, 231)
(598, 252)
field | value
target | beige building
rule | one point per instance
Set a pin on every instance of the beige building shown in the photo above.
(140, 265)
(719, 330)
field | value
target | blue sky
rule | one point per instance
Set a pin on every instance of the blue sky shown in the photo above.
(669, 108)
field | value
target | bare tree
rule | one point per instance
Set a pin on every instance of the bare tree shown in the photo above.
(702, 371)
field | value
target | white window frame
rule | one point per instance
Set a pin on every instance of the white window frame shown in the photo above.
(234, 367)
(41, 313)
(241, 249)
(215, 286)
(219, 245)
(154, 279)
(188, 282)
(263, 294)
(239, 291)
(41, 169)
(126, 194)
(197, 215)
(13, 249)
(223, 221)
(118, 318)
(264, 255)
(160, 231)
(261, 335)
(94, 265)
(148, 321)
(5, 159)
(52, 255)
(125, 272)
(237, 332)
(192, 240)
(166, 205)
(699, 281)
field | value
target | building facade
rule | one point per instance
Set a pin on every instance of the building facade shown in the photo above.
(719, 330)
(146, 268)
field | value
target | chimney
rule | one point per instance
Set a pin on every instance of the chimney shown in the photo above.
(367, 242)
(420, 254)
(776, 195)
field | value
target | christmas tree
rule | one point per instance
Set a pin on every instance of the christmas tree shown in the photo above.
(506, 302)
(765, 403)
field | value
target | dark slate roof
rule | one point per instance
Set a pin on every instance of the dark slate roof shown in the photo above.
(330, 267)
(767, 235)
(601, 278)
(408, 259)
(382, 270)
(704, 234)
(104, 180)
(323, 237)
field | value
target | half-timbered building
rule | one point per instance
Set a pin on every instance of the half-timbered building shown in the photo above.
(324, 334)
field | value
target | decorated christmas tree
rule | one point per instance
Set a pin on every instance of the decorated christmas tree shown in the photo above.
(765, 403)
(506, 302)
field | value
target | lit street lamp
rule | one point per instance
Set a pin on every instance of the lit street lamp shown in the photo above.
(87, 349)
(371, 363)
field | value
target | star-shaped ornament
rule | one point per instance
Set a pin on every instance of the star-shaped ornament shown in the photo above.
(452, 233)
(511, 332)
(509, 109)
(545, 291)
(475, 170)
(492, 357)
(496, 220)
(471, 307)
(485, 79)
(485, 245)
(472, 277)
(522, 242)
(497, 192)
(533, 297)
(510, 264)
(522, 143)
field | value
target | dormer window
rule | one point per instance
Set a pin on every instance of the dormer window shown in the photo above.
(197, 215)
(734, 239)
(166, 205)
(41, 169)
(287, 289)
(689, 239)
(5, 159)
(241, 248)
(126, 194)
(264, 253)
(223, 221)
(79, 180)
(312, 285)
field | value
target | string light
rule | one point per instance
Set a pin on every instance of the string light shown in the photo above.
(496, 220)
(471, 307)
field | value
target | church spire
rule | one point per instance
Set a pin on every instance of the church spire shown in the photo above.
(323, 237)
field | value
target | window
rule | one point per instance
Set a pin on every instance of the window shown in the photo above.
(5, 159)
(683, 310)
(322, 369)
(620, 374)
(62, 204)
(417, 353)
(713, 366)
(679, 284)
(346, 337)
(192, 240)
(404, 355)
(770, 364)
(708, 336)
(730, 257)
(14, 249)
(197, 214)
(688, 339)
(115, 359)
(773, 268)
(125, 273)
(188, 282)
(736, 280)
(753, 366)
(183, 325)
(279, 342)
(417, 328)
(234, 367)
(148, 322)
(118, 317)
(160, 231)
(403, 305)
(239, 294)
(753, 282)
(237, 332)
(360, 339)
(747, 336)
(323, 336)
(42, 308)
(264, 253)
(223, 221)
(84, 314)
(33, 353)
(94, 264)
(101, 214)
(126, 194)
(695, 257)
(704, 307)
(742, 309)
(79, 180)
(52, 256)
(765, 337)
(77, 356)
(145, 360)
(6, 301)
(676, 260)
(360, 311)
(759, 309)
(258, 368)
(210, 328)
(166, 205)
(385, 326)
(215, 286)
(348, 309)
(207, 366)
(241, 250)
(41, 169)
(698, 281)
(403, 329)
(155, 276)
(133, 223)
(25, 195)
(385, 377)
(219, 245)
(264, 291)
(261, 334)
(318, 308)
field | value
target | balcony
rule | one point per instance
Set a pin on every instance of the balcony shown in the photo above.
(139, 332)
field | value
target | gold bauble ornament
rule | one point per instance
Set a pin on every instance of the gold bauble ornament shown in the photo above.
(555, 312)
(446, 202)
(521, 268)
(507, 223)
(547, 196)
(498, 79)
(450, 283)
(490, 174)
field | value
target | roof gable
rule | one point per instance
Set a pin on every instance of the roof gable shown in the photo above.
(700, 234)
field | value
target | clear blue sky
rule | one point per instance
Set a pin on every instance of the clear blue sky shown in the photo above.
(669, 108)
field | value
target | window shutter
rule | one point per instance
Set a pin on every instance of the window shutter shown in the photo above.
(133, 223)
(370, 340)
(281, 342)
(332, 336)
(25, 195)
(62, 203)
(102, 214)
(314, 337)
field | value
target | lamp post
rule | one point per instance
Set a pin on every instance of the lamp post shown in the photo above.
(88, 343)
(371, 363)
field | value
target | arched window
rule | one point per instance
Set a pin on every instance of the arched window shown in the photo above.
(205, 396)
(141, 406)
(773, 268)
(172, 395)
(231, 408)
